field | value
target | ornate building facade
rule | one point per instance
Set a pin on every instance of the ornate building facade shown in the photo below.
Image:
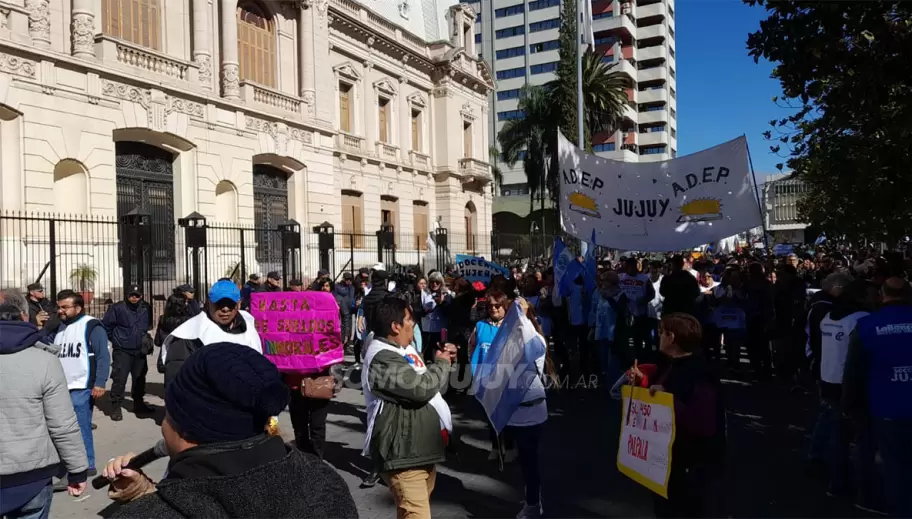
(248, 112)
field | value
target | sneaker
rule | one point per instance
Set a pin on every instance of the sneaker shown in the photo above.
(116, 415)
(141, 408)
(511, 455)
(530, 512)
(370, 480)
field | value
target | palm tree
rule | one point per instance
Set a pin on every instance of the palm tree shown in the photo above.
(531, 138)
(494, 159)
(604, 95)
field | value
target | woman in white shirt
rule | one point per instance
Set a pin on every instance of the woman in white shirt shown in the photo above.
(526, 425)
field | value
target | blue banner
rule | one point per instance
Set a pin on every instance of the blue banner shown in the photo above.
(474, 268)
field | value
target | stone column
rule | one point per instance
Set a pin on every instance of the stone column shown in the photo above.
(202, 52)
(369, 94)
(10, 162)
(39, 22)
(231, 88)
(404, 121)
(306, 57)
(83, 30)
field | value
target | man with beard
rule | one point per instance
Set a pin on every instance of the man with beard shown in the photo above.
(128, 323)
(83, 352)
(223, 321)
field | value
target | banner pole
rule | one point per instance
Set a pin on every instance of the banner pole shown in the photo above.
(750, 163)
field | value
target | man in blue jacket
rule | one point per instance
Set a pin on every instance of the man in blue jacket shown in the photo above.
(877, 386)
(128, 323)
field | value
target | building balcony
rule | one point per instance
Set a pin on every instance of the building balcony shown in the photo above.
(619, 22)
(626, 67)
(652, 96)
(473, 170)
(631, 95)
(658, 116)
(347, 142)
(651, 74)
(419, 160)
(655, 157)
(653, 138)
(651, 31)
(629, 113)
(253, 93)
(648, 11)
(387, 151)
(652, 53)
(113, 51)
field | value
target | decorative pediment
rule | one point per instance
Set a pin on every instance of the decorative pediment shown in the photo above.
(418, 100)
(385, 86)
(467, 111)
(348, 71)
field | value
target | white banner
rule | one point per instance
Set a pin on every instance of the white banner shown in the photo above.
(657, 206)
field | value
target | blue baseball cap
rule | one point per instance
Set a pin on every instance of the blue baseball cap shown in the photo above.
(224, 289)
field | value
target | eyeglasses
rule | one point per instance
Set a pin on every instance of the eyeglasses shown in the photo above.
(496, 307)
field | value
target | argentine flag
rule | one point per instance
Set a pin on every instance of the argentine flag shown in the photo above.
(508, 369)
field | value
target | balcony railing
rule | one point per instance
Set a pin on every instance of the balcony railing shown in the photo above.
(475, 169)
(387, 151)
(420, 160)
(348, 142)
(143, 58)
(254, 93)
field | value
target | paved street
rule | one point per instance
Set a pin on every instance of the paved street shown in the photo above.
(765, 476)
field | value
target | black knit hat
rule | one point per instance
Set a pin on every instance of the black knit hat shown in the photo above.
(224, 392)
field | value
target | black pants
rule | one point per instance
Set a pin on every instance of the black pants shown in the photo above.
(126, 363)
(641, 335)
(346, 319)
(308, 418)
(527, 442)
(758, 351)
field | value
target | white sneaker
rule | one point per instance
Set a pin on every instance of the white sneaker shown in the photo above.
(530, 512)
(511, 456)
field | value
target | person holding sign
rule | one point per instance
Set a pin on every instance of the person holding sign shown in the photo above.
(699, 416)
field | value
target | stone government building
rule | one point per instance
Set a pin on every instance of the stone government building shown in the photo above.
(248, 112)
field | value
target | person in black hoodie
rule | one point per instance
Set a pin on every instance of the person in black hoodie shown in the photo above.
(699, 446)
(227, 458)
(378, 292)
(177, 312)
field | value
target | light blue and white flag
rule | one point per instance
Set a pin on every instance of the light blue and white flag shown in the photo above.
(508, 369)
(566, 269)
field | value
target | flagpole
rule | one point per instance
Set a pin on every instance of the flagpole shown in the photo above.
(750, 162)
(580, 106)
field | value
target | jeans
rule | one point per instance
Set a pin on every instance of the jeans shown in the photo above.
(308, 419)
(527, 440)
(38, 508)
(124, 364)
(894, 437)
(82, 404)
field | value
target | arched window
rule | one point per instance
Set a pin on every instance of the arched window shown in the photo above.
(256, 45)
(137, 21)
(471, 226)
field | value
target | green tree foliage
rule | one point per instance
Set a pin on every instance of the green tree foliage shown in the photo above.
(564, 85)
(531, 138)
(846, 74)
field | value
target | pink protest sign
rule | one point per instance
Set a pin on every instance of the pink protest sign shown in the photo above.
(299, 330)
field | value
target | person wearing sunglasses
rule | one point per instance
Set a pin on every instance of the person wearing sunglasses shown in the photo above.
(223, 321)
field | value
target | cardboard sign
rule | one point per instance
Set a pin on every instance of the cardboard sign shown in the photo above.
(300, 330)
(647, 434)
(473, 268)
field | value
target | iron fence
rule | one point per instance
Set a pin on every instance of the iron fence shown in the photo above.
(99, 255)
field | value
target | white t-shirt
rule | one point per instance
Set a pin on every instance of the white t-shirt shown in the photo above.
(634, 287)
(834, 345)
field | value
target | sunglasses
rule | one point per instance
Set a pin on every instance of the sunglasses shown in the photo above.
(496, 307)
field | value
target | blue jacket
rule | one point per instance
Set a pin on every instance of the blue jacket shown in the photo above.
(345, 297)
(126, 326)
(879, 363)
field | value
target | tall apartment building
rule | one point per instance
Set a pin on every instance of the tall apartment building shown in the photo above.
(520, 41)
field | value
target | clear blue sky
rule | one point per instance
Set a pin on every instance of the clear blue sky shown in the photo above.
(721, 92)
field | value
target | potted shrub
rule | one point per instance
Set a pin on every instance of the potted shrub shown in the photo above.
(83, 280)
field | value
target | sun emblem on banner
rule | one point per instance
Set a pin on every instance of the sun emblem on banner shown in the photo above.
(701, 210)
(583, 204)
